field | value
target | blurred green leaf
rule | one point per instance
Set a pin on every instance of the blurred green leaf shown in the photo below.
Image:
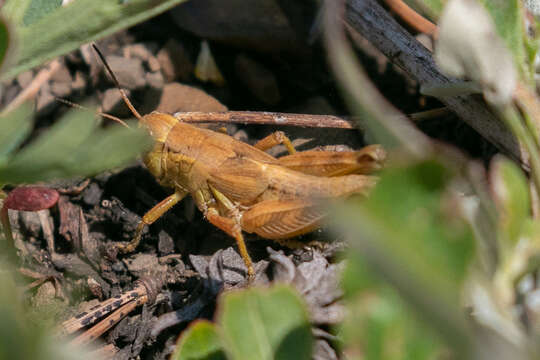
(109, 148)
(434, 7)
(68, 27)
(14, 127)
(510, 25)
(38, 9)
(20, 339)
(379, 325)
(265, 324)
(14, 11)
(73, 147)
(408, 232)
(4, 41)
(199, 342)
(511, 194)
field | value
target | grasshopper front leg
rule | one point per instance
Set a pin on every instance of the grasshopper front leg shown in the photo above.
(150, 217)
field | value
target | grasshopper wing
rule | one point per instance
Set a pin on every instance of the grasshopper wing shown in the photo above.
(282, 219)
(240, 179)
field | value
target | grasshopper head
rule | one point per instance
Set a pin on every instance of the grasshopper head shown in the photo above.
(158, 125)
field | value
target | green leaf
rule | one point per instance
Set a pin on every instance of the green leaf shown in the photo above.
(265, 324)
(73, 147)
(379, 324)
(511, 194)
(47, 157)
(110, 148)
(409, 234)
(14, 11)
(14, 127)
(199, 342)
(4, 41)
(38, 9)
(22, 339)
(68, 27)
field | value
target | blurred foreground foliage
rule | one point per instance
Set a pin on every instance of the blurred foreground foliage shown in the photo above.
(20, 337)
(444, 254)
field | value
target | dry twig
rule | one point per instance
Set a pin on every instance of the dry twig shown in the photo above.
(266, 118)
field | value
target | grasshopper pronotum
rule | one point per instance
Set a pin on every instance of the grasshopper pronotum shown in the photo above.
(239, 187)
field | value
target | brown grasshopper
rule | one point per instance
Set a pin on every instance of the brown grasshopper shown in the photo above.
(239, 187)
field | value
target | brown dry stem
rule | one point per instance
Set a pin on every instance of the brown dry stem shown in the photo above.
(266, 118)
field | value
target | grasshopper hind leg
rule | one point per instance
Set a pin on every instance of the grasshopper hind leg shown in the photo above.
(274, 139)
(230, 224)
(232, 228)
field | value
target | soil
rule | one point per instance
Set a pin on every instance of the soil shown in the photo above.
(72, 243)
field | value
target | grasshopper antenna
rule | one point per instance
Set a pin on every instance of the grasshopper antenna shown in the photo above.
(105, 115)
(115, 80)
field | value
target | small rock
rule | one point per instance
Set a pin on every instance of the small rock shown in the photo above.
(258, 79)
(259, 24)
(177, 97)
(155, 79)
(62, 74)
(144, 264)
(129, 71)
(165, 243)
(61, 89)
(153, 64)
(45, 294)
(79, 82)
(9, 93)
(138, 51)
(112, 103)
(174, 61)
(95, 288)
(92, 194)
(118, 267)
(24, 79)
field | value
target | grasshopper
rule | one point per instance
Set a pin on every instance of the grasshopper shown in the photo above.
(241, 188)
